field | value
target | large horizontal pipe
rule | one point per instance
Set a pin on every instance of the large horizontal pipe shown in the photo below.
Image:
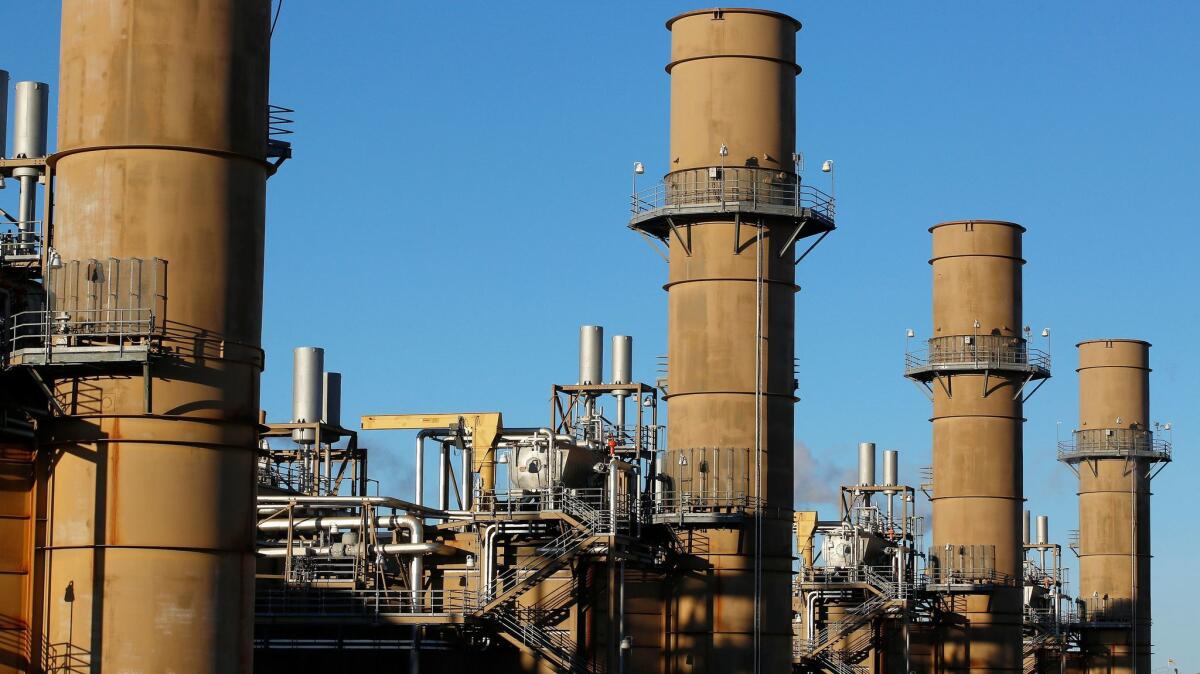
(388, 548)
(385, 501)
(338, 522)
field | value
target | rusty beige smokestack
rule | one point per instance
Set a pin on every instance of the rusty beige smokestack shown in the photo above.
(1114, 452)
(976, 367)
(162, 132)
(730, 211)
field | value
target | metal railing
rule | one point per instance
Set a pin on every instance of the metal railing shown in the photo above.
(48, 331)
(1114, 443)
(363, 603)
(673, 502)
(726, 187)
(18, 246)
(516, 580)
(278, 121)
(979, 352)
(552, 641)
(295, 476)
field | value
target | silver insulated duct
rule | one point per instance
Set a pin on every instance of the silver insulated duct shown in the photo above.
(866, 464)
(1025, 528)
(308, 362)
(31, 105)
(591, 354)
(891, 470)
(3, 116)
(331, 406)
(1043, 530)
(622, 359)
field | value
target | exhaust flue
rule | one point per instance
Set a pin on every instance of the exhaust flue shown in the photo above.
(162, 132)
(1114, 452)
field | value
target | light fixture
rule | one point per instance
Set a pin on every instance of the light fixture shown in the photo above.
(724, 151)
(910, 333)
(1045, 332)
(638, 168)
(827, 166)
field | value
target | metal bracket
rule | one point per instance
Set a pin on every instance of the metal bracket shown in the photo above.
(1035, 389)
(814, 245)
(945, 387)
(650, 242)
(925, 388)
(687, 249)
(793, 237)
(37, 377)
(1161, 465)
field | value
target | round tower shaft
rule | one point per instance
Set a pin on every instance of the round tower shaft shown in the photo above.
(1113, 452)
(150, 486)
(731, 320)
(976, 368)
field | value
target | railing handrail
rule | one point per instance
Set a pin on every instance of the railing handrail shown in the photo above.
(737, 190)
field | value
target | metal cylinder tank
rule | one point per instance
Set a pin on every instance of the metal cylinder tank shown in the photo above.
(31, 108)
(866, 464)
(31, 104)
(1113, 452)
(150, 482)
(980, 354)
(591, 354)
(331, 399)
(891, 469)
(308, 365)
(622, 359)
(731, 320)
(3, 113)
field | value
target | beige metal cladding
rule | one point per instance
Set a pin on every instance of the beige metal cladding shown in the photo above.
(732, 86)
(16, 548)
(162, 136)
(1114, 504)
(733, 83)
(977, 434)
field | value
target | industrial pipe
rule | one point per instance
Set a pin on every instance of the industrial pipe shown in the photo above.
(419, 497)
(428, 548)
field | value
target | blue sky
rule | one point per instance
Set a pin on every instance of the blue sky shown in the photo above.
(458, 200)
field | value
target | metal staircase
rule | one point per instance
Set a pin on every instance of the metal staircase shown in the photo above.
(1032, 645)
(525, 626)
(889, 594)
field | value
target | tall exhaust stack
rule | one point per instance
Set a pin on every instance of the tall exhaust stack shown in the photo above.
(162, 131)
(976, 367)
(1115, 454)
(731, 210)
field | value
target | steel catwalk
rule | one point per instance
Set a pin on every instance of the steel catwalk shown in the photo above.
(162, 130)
